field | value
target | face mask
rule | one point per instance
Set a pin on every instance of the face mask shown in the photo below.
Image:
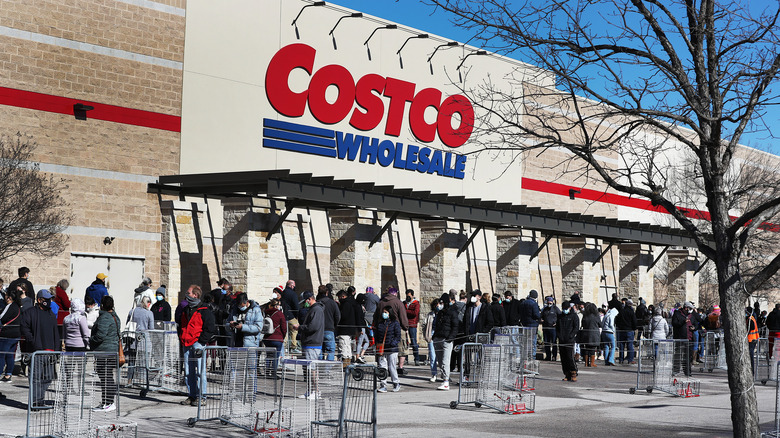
(306, 304)
(473, 299)
(224, 292)
(549, 304)
(440, 307)
(386, 315)
(566, 311)
(45, 304)
(243, 308)
(159, 298)
(275, 296)
(508, 300)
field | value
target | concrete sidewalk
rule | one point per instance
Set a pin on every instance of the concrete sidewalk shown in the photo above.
(599, 404)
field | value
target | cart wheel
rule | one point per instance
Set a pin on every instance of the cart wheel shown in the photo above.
(631, 390)
(381, 373)
(191, 422)
(763, 382)
(478, 404)
(649, 389)
(709, 370)
(357, 374)
(224, 423)
(143, 393)
(453, 404)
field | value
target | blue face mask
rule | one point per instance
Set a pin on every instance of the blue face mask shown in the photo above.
(159, 298)
(566, 311)
(440, 307)
(243, 309)
(386, 315)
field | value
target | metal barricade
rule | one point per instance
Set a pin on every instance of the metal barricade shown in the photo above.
(250, 390)
(714, 351)
(671, 368)
(530, 367)
(209, 365)
(765, 357)
(74, 394)
(154, 362)
(523, 336)
(311, 397)
(357, 416)
(776, 432)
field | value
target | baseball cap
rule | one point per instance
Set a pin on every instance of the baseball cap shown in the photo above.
(45, 294)
(101, 276)
(306, 295)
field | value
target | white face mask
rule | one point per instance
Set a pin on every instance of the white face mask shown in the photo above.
(440, 306)
(474, 299)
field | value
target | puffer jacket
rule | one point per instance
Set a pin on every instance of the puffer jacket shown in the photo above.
(568, 327)
(105, 333)
(251, 326)
(590, 330)
(659, 328)
(446, 324)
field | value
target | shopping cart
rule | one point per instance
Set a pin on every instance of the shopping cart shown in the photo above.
(665, 365)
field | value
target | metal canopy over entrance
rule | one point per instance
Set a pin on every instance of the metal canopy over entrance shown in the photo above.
(306, 190)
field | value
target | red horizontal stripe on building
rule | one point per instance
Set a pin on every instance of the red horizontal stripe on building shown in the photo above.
(109, 113)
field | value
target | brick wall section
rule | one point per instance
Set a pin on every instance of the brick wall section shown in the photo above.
(683, 285)
(440, 268)
(181, 262)
(352, 262)
(112, 24)
(515, 269)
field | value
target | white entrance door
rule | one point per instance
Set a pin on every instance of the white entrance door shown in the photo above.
(124, 275)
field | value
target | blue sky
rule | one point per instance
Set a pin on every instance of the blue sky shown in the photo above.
(412, 13)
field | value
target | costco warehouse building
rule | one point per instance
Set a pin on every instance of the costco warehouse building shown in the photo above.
(227, 142)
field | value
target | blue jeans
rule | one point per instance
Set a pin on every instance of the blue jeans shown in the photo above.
(696, 344)
(608, 340)
(432, 358)
(195, 370)
(415, 347)
(626, 341)
(279, 345)
(7, 354)
(329, 346)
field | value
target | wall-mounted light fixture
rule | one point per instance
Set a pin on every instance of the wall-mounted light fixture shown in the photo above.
(478, 52)
(297, 35)
(352, 15)
(108, 240)
(420, 36)
(449, 44)
(573, 192)
(368, 49)
(80, 110)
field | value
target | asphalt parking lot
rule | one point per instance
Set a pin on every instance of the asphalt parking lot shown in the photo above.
(598, 404)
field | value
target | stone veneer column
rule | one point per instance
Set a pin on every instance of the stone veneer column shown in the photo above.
(578, 271)
(352, 262)
(515, 271)
(181, 258)
(683, 285)
(250, 262)
(440, 267)
(635, 279)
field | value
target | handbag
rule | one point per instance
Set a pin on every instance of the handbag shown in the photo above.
(121, 353)
(131, 325)
(380, 348)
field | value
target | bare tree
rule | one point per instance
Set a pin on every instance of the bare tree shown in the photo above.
(32, 212)
(652, 85)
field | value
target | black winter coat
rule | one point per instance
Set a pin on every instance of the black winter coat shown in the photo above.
(332, 313)
(529, 313)
(590, 330)
(39, 330)
(484, 321)
(773, 321)
(568, 327)
(499, 319)
(679, 324)
(512, 312)
(550, 316)
(626, 319)
(445, 325)
(351, 317)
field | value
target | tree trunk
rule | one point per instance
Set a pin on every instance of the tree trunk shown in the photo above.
(744, 408)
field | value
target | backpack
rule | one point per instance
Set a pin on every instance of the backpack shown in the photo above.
(268, 326)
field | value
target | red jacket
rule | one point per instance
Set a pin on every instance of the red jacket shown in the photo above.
(62, 300)
(413, 312)
(198, 325)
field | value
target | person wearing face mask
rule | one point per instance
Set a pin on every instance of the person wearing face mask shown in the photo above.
(550, 315)
(426, 328)
(567, 327)
(246, 322)
(499, 318)
(197, 330)
(9, 333)
(388, 336)
(530, 315)
(91, 311)
(478, 318)
(161, 309)
(511, 309)
(445, 330)
(39, 329)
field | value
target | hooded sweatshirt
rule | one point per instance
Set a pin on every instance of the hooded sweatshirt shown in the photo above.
(75, 325)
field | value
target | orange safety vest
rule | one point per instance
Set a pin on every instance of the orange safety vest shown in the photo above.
(752, 329)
